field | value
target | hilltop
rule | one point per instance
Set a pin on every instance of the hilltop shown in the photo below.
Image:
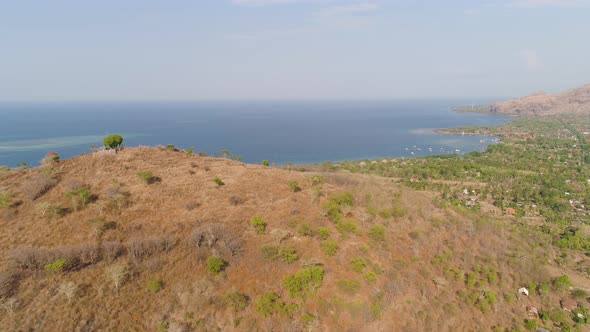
(575, 101)
(159, 239)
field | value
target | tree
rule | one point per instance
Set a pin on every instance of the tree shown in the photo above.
(113, 141)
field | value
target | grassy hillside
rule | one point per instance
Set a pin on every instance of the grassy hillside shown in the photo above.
(156, 239)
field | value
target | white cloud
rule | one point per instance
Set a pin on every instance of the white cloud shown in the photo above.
(531, 59)
(548, 3)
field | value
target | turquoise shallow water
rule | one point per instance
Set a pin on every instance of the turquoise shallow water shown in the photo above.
(297, 132)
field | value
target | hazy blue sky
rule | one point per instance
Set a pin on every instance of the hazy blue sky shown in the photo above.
(210, 49)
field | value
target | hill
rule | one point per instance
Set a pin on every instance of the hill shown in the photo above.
(157, 239)
(575, 101)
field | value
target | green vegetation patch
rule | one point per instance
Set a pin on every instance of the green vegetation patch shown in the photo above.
(304, 282)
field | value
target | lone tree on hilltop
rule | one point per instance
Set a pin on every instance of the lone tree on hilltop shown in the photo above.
(113, 141)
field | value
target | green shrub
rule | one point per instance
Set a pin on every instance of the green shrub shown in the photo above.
(543, 289)
(154, 286)
(329, 248)
(377, 233)
(347, 286)
(490, 296)
(270, 304)
(265, 163)
(259, 224)
(147, 177)
(370, 276)
(170, 147)
(274, 252)
(470, 279)
(288, 255)
(5, 198)
(189, 151)
(562, 282)
(323, 232)
(218, 181)
(304, 229)
(530, 324)
(79, 197)
(376, 311)
(559, 316)
(294, 186)
(112, 141)
(215, 264)
(307, 319)
(336, 202)
(580, 315)
(304, 282)
(358, 264)
(56, 266)
(346, 227)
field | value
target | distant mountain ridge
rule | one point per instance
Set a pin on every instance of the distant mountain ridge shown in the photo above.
(571, 101)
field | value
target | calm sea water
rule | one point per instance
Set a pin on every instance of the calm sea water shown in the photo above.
(297, 132)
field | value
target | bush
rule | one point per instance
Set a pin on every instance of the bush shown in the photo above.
(323, 232)
(358, 264)
(377, 233)
(265, 163)
(79, 197)
(347, 286)
(270, 304)
(215, 264)
(562, 283)
(304, 281)
(259, 224)
(274, 252)
(267, 304)
(53, 259)
(304, 229)
(346, 227)
(112, 141)
(217, 238)
(370, 276)
(56, 266)
(530, 324)
(37, 185)
(111, 250)
(236, 300)
(154, 286)
(218, 181)
(141, 248)
(329, 248)
(45, 209)
(294, 186)
(336, 203)
(147, 177)
(117, 197)
(5, 198)
(189, 151)
(118, 274)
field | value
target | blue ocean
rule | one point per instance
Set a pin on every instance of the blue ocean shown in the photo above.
(278, 131)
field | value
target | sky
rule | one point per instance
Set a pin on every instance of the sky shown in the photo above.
(135, 50)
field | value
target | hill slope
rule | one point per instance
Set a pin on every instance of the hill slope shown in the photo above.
(576, 101)
(89, 245)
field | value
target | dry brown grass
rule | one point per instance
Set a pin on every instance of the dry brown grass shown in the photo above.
(37, 185)
(109, 293)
